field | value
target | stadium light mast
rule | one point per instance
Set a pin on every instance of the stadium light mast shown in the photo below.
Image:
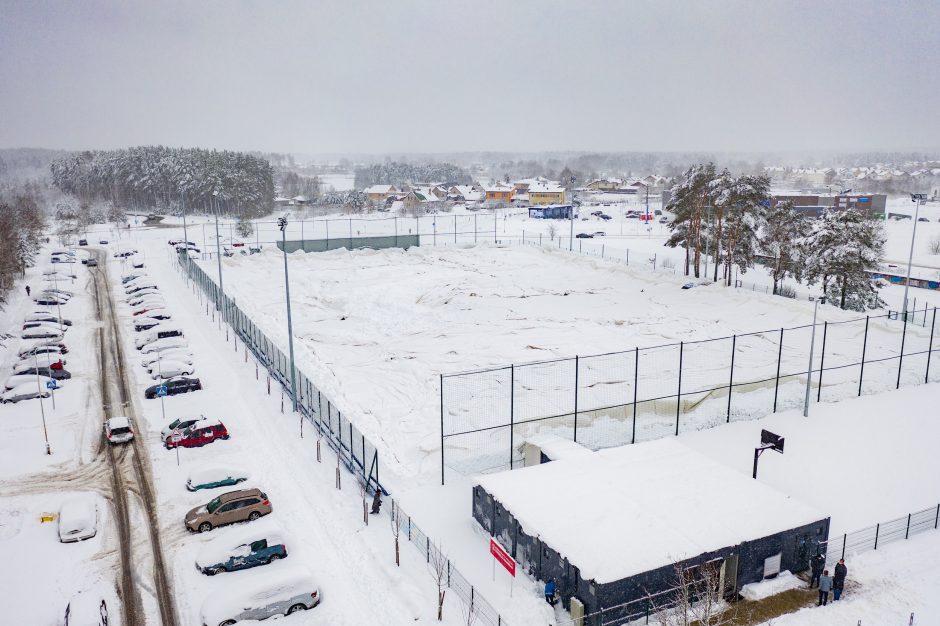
(918, 199)
(218, 253)
(282, 224)
(809, 369)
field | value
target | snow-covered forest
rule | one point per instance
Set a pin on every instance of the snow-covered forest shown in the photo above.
(396, 173)
(162, 179)
(21, 224)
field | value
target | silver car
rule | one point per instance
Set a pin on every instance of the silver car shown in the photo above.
(284, 591)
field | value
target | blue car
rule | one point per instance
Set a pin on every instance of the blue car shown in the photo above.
(257, 544)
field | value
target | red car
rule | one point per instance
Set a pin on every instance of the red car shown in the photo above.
(197, 435)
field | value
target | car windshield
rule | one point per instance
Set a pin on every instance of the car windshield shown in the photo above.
(123, 430)
(213, 505)
(174, 424)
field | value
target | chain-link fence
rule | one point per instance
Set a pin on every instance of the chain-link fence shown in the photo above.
(647, 393)
(849, 544)
(354, 450)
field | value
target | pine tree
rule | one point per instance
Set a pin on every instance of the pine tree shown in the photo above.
(839, 251)
(689, 199)
(744, 200)
(784, 229)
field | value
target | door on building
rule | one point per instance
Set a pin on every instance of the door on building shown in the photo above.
(728, 576)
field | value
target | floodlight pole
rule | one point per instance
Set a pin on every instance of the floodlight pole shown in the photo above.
(282, 224)
(809, 368)
(218, 253)
(918, 199)
(42, 410)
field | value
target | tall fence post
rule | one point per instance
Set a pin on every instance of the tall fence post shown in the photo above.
(679, 389)
(779, 357)
(861, 374)
(636, 380)
(576, 370)
(734, 340)
(907, 533)
(936, 519)
(442, 428)
(845, 540)
(822, 361)
(512, 410)
(877, 531)
(933, 324)
(901, 356)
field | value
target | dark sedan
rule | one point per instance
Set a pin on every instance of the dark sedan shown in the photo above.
(179, 384)
(584, 236)
(51, 372)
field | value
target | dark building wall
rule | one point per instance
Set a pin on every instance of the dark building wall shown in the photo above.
(542, 562)
(351, 243)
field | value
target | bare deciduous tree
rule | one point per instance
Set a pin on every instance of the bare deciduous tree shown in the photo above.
(552, 230)
(440, 567)
(696, 599)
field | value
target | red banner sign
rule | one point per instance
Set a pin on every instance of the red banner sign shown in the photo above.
(503, 557)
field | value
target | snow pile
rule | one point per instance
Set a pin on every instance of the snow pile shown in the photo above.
(771, 586)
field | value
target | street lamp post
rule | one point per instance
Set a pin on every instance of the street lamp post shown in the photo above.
(809, 369)
(282, 224)
(218, 253)
(42, 409)
(918, 199)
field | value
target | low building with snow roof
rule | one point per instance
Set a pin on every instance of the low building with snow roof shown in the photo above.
(379, 193)
(499, 192)
(546, 193)
(612, 526)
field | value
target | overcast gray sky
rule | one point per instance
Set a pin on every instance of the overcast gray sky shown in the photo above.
(430, 76)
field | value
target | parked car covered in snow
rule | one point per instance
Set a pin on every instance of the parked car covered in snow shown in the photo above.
(176, 354)
(60, 328)
(78, 519)
(86, 608)
(23, 379)
(256, 544)
(170, 369)
(46, 316)
(55, 373)
(41, 332)
(145, 323)
(284, 592)
(182, 423)
(214, 476)
(163, 332)
(167, 343)
(23, 391)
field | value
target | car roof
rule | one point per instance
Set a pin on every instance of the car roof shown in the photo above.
(119, 421)
(238, 494)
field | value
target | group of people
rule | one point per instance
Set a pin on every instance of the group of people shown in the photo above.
(826, 583)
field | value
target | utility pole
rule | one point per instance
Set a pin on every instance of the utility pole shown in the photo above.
(282, 224)
(918, 199)
(218, 252)
(809, 369)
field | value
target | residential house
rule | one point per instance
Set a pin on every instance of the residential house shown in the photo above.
(546, 193)
(605, 184)
(379, 193)
(465, 193)
(499, 192)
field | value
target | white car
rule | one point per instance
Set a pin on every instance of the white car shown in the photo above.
(212, 477)
(168, 369)
(61, 328)
(118, 429)
(46, 316)
(40, 332)
(176, 354)
(29, 379)
(157, 333)
(168, 343)
(126, 278)
(86, 608)
(26, 391)
(148, 299)
(32, 345)
(282, 592)
(158, 313)
(136, 286)
(78, 519)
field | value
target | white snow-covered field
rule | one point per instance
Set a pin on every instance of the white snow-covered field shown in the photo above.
(375, 329)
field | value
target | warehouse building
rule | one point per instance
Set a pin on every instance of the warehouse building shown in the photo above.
(611, 526)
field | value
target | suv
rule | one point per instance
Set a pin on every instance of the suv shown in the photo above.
(197, 435)
(228, 508)
(180, 384)
(256, 544)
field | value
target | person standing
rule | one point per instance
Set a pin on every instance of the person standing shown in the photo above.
(825, 586)
(816, 566)
(27, 290)
(376, 501)
(550, 591)
(838, 579)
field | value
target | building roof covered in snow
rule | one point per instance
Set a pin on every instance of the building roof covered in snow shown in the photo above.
(623, 511)
(376, 189)
(545, 187)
